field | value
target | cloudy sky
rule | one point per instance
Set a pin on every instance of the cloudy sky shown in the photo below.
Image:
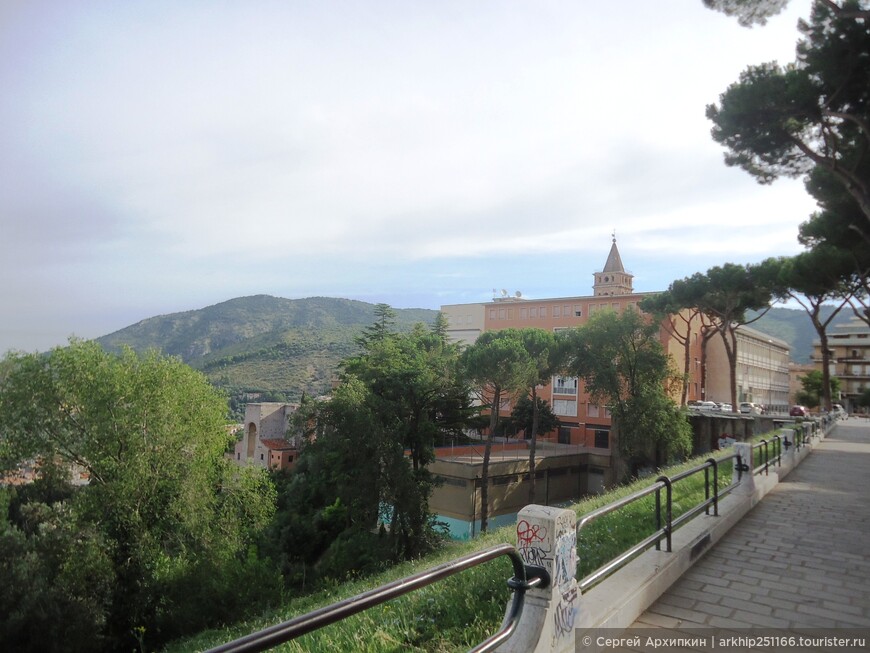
(164, 156)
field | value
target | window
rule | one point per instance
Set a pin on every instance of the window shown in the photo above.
(524, 313)
(615, 306)
(492, 314)
(557, 311)
(564, 435)
(533, 312)
(501, 314)
(565, 385)
(577, 311)
(592, 410)
(602, 439)
(565, 407)
(543, 311)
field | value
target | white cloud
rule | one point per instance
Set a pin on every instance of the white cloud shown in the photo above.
(300, 147)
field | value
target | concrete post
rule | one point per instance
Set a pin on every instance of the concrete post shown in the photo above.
(787, 462)
(547, 537)
(747, 478)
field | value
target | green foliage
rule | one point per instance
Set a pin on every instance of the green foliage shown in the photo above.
(523, 416)
(748, 12)
(253, 346)
(863, 399)
(55, 583)
(497, 363)
(359, 496)
(458, 613)
(812, 114)
(812, 388)
(624, 366)
(162, 508)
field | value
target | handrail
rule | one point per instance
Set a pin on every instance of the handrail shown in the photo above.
(664, 527)
(525, 577)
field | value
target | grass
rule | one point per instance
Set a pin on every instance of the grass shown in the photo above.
(463, 610)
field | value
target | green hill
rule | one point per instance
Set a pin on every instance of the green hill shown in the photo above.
(264, 345)
(794, 326)
(274, 348)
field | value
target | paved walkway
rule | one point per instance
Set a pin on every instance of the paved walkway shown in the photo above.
(799, 559)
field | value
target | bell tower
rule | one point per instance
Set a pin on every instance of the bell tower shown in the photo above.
(613, 279)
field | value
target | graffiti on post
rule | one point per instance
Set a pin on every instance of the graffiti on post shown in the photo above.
(565, 614)
(528, 534)
(565, 559)
(533, 545)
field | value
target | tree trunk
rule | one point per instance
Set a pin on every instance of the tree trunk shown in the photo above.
(487, 451)
(533, 444)
(827, 402)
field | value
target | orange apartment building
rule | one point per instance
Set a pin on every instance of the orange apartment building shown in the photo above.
(582, 421)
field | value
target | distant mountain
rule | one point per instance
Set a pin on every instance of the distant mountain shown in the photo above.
(275, 348)
(794, 326)
(262, 344)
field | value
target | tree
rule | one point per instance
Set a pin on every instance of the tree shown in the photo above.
(523, 416)
(814, 113)
(382, 327)
(497, 364)
(840, 229)
(164, 505)
(680, 322)
(545, 357)
(724, 294)
(623, 365)
(813, 279)
(441, 326)
(814, 391)
(748, 12)
(398, 398)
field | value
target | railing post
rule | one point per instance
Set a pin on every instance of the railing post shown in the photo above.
(743, 468)
(547, 537)
(788, 453)
(715, 465)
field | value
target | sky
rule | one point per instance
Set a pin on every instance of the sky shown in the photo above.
(166, 156)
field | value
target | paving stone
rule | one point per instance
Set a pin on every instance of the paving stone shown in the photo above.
(798, 559)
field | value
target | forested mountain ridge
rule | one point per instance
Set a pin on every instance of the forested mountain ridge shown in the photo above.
(795, 327)
(282, 347)
(263, 343)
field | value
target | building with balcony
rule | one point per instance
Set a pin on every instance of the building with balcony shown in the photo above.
(849, 350)
(582, 421)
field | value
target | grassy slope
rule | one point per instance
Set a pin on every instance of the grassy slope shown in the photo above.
(462, 611)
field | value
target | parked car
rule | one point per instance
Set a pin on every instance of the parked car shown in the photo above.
(748, 408)
(726, 408)
(799, 411)
(708, 406)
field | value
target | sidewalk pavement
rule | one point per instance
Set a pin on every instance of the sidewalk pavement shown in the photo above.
(799, 559)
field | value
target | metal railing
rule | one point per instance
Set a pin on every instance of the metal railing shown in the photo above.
(764, 447)
(769, 452)
(525, 577)
(665, 523)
